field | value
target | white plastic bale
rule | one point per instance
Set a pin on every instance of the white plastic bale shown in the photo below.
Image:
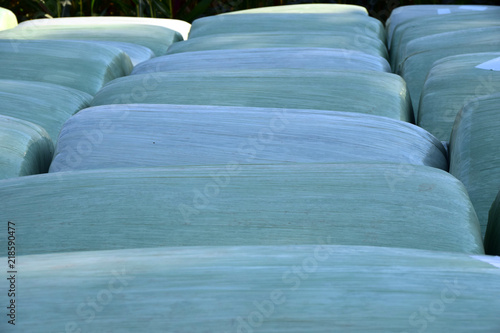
(311, 8)
(378, 204)
(25, 148)
(45, 104)
(158, 135)
(368, 92)
(475, 152)
(269, 58)
(75, 64)
(7, 19)
(451, 83)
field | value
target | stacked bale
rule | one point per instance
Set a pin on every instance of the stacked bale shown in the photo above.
(7, 19)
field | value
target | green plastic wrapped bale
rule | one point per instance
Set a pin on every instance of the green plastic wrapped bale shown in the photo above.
(395, 205)
(149, 135)
(492, 237)
(25, 148)
(7, 19)
(405, 13)
(75, 64)
(424, 51)
(156, 38)
(333, 40)
(273, 289)
(312, 8)
(287, 23)
(368, 92)
(475, 152)
(417, 28)
(451, 83)
(45, 104)
(269, 58)
(181, 27)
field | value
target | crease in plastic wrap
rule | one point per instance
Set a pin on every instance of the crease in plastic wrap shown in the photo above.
(451, 83)
(475, 152)
(45, 104)
(25, 148)
(147, 135)
(268, 58)
(368, 92)
(75, 64)
(316, 288)
(377, 204)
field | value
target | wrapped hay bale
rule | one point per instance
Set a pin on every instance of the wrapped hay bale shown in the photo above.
(334, 39)
(156, 38)
(267, 58)
(287, 23)
(311, 8)
(79, 65)
(44, 104)
(423, 52)
(316, 288)
(379, 204)
(25, 148)
(149, 135)
(7, 19)
(137, 53)
(475, 152)
(180, 26)
(383, 94)
(492, 236)
(451, 83)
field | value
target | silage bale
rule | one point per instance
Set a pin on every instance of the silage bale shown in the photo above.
(156, 38)
(451, 83)
(311, 8)
(492, 236)
(173, 24)
(287, 23)
(25, 148)
(268, 58)
(296, 289)
(334, 40)
(423, 52)
(378, 204)
(75, 64)
(45, 104)
(475, 152)
(148, 135)
(7, 19)
(368, 92)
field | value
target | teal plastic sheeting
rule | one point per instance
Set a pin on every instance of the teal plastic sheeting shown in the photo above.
(79, 65)
(159, 135)
(287, 23)
(177, 25)
(379, 204)
(25, 148)
(451, 83)
(333, 39)
(156, 38)
(45, 104)
(7, 19)
(310, 8)
(369, 92)
(269, 58)
(317, 289)
(423, 52)
(492, 237)
(474, 152)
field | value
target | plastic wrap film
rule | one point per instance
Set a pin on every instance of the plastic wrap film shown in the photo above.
(156, 38)
(25, 148)
(451, 83)
(45, 104)
(79, 65)
(287, 23)
(7, 19)
(369, 92)
(423, 52)
(318, 289)
(177, 25)
(147, 135)
(380, 204)
(492, 237)
(475, 152)
(333, 39)
(268, 58)
(312, 8)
